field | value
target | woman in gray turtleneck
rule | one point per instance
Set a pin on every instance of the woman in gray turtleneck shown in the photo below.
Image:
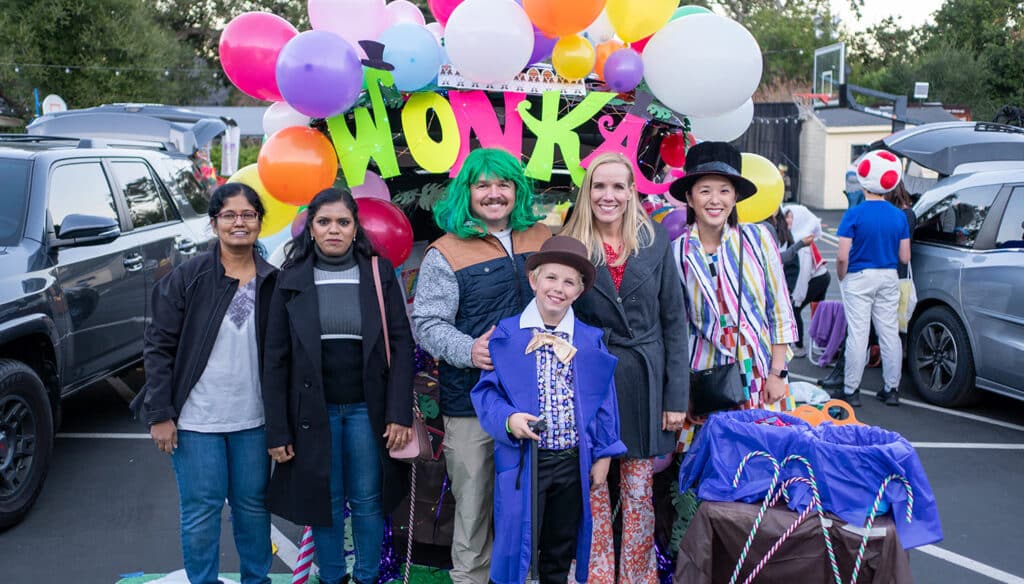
(333, 405)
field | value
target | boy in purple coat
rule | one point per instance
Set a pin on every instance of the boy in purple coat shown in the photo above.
(548, 364)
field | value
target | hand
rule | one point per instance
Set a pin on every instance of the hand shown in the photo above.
(481, 353)
(774, 388)
(808, 240)
(599, 472)
(672, 421)
(398, 436)
(518, 424)
(281, 454)
(165, 435)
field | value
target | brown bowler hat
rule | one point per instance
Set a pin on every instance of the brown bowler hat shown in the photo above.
(567, 251)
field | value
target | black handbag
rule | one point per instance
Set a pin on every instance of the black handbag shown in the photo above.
(722, 387)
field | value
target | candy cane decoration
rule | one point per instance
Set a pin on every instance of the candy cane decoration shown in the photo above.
(874, 513)
(816, 500)
(761, 512)
(304, 563)
(778, 544)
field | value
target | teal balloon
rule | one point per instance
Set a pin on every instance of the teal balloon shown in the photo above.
(688, 10)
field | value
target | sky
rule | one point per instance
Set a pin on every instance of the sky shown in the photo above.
(913, 12)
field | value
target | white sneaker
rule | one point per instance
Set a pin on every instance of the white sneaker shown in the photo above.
(799, 351)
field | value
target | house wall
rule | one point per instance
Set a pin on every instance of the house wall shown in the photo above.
(838, 145)
(812, 163)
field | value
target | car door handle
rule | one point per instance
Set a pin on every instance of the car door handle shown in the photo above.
(133, 263)
(186, 246)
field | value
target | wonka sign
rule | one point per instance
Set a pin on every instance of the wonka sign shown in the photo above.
(465, 113)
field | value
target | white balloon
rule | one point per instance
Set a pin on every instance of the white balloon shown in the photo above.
(725, 127)
(702, 65)
(280, 115)
(601, 30)
(489, 41)
(405, 11)
(436, 29)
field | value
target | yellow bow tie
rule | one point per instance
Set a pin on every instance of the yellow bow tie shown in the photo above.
(564, 350)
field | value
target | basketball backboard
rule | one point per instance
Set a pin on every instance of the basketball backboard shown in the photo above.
(830, 70)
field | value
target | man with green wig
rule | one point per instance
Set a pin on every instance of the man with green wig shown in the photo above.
(471, 278)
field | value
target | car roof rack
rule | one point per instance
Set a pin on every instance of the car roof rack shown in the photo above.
(84, 143)
(995, 127)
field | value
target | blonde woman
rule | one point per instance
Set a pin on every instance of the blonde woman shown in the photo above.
(635, 300)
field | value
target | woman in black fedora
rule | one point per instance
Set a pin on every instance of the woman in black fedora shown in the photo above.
(738, 349)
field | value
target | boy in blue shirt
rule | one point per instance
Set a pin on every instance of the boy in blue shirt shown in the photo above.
(548, 365)
(874, 238)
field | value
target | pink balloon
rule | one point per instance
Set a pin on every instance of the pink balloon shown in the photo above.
(373, 187)
(352, 20)
(442, 9)
(662, 462)
(248, 48)
(405, 11)
(299, 223)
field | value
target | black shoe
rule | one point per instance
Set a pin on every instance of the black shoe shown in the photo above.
(890, 397)
(852, 398)
(835, 379)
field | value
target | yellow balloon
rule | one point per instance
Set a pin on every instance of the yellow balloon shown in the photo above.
(277, 215)
(573, 57)
(637, 19)
(770, 189)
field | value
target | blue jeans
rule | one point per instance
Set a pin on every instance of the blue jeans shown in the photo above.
(213, 467)
(356, 476)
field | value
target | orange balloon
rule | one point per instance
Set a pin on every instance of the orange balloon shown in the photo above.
(605, 50)
(557, 18)
(296, 163)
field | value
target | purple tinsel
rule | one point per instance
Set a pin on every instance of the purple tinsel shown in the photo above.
(665, 567)
(424, 362)
(390, 563)
(437, 505)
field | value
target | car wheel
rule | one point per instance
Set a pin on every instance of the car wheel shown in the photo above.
(940, 359)
(26, 439)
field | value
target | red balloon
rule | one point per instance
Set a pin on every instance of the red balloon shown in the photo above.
(387, 227)
(673, 150)
(641, 44)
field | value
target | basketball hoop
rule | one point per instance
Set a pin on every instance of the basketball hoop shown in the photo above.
(808, 102)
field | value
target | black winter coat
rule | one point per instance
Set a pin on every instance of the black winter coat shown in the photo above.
(293, 389)
(189, 305)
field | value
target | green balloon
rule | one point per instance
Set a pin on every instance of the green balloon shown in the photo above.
(688, 10)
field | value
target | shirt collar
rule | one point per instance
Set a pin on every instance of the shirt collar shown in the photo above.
(531, 319)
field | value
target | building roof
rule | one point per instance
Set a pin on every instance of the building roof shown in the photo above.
(846, 117)
(249, 119)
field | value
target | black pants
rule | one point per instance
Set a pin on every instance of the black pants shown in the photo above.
(560, 509)
(816, 289)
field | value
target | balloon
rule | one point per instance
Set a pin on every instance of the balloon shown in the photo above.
(573, 57)
(727, 65)
(277, 215)
(442, 9)
(624, 70)
(373, 187)
(640, 45)
(635, 19)
(297, 163)
(319, 74)
(688, 10)
(414, 53)
(603, 51)
(662, 462)
(352, 20)
(557, 18)
(279, 116)
(248, 49)
(600, 30)
(489, 40)
(542, 46)
(725, 127)
(299, 223)
(673, 150)
(387, 227)
(436, 29)
(674, 223)
(770, 189)
(404, 11)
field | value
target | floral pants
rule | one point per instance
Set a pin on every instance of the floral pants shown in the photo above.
(637, 564)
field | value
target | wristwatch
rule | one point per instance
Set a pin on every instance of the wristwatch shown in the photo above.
(780, 373)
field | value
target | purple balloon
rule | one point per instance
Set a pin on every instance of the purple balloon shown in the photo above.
(674, 223)
(624, 70)
(542, 46)
(319, 74)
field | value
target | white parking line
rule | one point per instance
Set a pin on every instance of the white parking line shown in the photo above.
(969, 564)
(968, 445)
(286, 550)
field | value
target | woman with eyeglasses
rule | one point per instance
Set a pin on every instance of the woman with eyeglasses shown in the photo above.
(202, 397)
(334, 402)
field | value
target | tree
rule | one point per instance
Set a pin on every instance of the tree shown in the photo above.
(91, 52)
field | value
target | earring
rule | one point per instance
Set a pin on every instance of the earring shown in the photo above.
(311, 238)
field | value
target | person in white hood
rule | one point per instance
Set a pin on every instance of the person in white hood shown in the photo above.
(813, 279)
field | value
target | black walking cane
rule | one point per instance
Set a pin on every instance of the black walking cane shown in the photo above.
(537, 426)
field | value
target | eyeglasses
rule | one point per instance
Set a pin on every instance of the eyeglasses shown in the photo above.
(230, 216)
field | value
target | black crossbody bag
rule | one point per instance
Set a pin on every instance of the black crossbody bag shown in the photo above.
(722, 387)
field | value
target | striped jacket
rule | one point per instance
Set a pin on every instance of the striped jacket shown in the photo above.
(767, 313)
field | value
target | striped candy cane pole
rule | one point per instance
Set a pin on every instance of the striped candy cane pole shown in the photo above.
(761, 512)
(874, 513)
(778, 544)
(816, 500)
(304, 563)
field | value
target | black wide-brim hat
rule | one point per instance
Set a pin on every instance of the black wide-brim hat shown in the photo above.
(710, 158)
(567, 251)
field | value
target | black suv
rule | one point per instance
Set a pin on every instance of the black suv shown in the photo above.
(86, 228)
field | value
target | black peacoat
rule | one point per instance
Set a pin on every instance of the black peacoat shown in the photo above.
(645, 326)
(293, 389)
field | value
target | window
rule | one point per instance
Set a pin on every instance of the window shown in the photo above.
(957, 219)
(146, 204)
(858, 150)
(1011, 229)
(186, 183)
(80, 189)
(13, 197)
